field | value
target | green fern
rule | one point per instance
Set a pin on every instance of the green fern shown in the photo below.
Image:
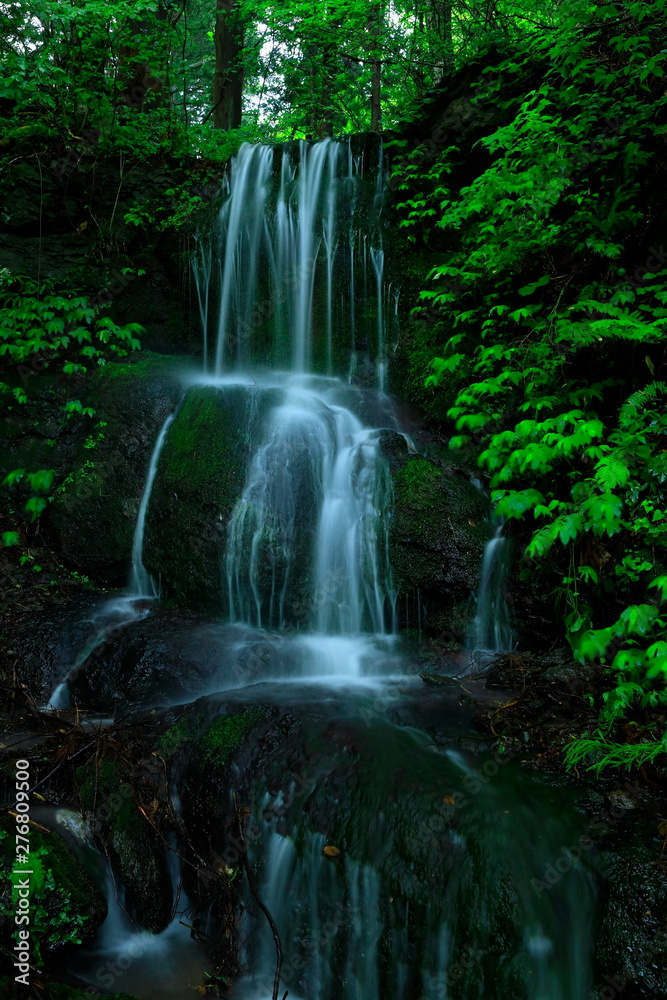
(639, 400)
(601, 753)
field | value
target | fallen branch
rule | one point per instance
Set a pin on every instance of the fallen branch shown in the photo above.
(262, 906)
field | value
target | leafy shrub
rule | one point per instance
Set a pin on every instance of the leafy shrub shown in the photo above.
(564, 333)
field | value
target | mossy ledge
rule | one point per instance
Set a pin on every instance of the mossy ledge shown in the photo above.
(136, 852)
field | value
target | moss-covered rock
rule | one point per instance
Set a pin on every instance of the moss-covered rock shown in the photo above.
(66, 906)
(200, 477)
(438, 533)
(94, 513)
(135, 850)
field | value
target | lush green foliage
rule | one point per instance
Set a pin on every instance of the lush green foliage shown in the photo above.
(42, 327)
(56, 916)
(552, 285)
(136, 77)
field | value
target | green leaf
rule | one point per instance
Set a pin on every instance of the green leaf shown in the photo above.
(41, 481)
(515, 503)
(529, 289)
(14, 477)
(36, 506)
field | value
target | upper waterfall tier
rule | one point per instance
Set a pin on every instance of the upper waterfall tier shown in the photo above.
(294, 261)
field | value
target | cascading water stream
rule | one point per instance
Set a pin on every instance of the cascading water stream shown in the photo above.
(141, 582)
(491, 632)
(307, 581)
(307, 541)
(114, 614)
(243, 226)
(377, 257)
(312, 523)
(275, 243)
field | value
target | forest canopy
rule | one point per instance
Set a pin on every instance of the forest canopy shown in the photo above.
(274, 70)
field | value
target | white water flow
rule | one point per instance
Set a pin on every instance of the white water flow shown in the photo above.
(242, 226)
(311, 528)
(307, 541)
(352, 579)
(123, 956)
(284, 292)
(377, 256)
(491, 631)
(203, 263)
(141, 582)
(121, 611)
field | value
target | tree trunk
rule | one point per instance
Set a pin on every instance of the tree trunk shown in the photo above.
(440, 21)
(328, 77)
(228, 78)
(376, 69)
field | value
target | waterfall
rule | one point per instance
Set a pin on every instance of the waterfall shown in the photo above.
(403, 868)
(307, 541)
(264, 531)
(377, 256)
(141, 582)
(353, 534)
(491, 631)
(242, 226)
(282, 285)
(312, 523)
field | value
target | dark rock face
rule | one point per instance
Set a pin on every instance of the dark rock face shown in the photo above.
(438, 532)
(631, 951)
(162, 659)
(432, 836)
(118, 656)
(94, 513)
(201, 475)
(48, 644)
(133, 846)
(173, 657)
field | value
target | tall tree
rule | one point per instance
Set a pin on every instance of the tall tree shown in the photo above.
(376, 23)
(229, 70)
(439, 20)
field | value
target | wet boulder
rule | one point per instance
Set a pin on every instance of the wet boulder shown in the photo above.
(92, 519)
(438, 531)
(135, 849)
(199, 488)
(631, 947)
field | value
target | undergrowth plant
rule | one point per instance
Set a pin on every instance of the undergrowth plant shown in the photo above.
(552, 286)
(45, 330)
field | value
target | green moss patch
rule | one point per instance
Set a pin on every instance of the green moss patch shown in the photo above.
(184, 731)
(224, 735)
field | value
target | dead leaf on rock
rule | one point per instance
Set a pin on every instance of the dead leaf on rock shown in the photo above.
(331, 852)
(662, 828)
